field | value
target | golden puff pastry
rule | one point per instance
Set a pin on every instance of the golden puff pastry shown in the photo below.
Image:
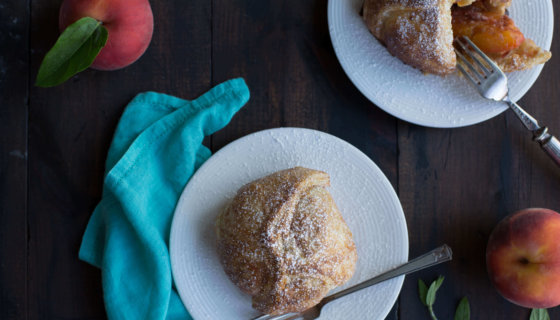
(418, 32)
(283, 241)
(486, 23)
(421, 32)
(526, 56)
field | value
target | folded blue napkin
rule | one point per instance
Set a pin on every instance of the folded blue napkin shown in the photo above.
(155, 150)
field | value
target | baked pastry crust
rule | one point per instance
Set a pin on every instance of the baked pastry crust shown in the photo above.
(418, 32)
(283, 241)
(525, 55)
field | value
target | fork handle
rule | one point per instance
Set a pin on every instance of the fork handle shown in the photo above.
(429, 259)
(548, 143)
(436, 256)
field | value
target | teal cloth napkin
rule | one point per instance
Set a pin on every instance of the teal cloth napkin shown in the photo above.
(155, 150)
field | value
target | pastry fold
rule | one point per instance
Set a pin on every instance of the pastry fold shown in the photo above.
(418, 32)
(283, 241)
(421, 32)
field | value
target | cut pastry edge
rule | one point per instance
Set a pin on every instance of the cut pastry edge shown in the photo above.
(464, 3)
(526, 56)
(399, 34)
(496, 34)
(416, 32)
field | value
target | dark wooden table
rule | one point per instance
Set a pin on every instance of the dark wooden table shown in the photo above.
(454, 184)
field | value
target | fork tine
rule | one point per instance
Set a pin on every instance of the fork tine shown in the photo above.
(467, 74)
(477, 50)
(471, 55)
(470, 66)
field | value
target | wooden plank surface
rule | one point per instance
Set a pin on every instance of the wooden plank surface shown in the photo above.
(70, 129)
(14, 54)
(454, 184)
(283, 51)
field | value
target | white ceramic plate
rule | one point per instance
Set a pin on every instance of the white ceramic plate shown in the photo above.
(363, 194)
(427, 100)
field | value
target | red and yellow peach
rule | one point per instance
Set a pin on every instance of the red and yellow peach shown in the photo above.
(523, 258)
(129, 24)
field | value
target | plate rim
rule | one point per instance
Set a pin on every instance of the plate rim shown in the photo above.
(384, 180)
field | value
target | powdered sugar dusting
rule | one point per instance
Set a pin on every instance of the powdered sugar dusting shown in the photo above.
(283, 241)
(416, 31)
(419, 98)
(363, 195)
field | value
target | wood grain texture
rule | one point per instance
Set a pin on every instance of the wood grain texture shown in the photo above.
(440, 177)
(283, 50)
(455, 185)
(70, 129)
(14, 53)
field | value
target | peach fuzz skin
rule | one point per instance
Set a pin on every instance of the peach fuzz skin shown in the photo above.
(129, 23)
(523, 258)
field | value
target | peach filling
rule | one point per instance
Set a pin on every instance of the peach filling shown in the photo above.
(493, 32)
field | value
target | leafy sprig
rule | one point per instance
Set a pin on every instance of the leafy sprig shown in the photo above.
(74, 51)
(428, 298)
(463, 312)
(428, 295)
(539, 314)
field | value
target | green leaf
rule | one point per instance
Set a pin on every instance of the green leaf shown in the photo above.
(463, 311)
(539, 314)
(74, 51)
(431, 295)
(422, 291)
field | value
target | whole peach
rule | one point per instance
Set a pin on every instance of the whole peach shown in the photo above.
(129, 24)
(523, 258)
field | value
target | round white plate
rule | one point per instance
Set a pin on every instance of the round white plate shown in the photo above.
(427, 100)
(363, 194)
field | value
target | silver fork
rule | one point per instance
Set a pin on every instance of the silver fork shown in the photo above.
(491, 83)
(429, 259)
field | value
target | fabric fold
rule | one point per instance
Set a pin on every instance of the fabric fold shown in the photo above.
(156, 148)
